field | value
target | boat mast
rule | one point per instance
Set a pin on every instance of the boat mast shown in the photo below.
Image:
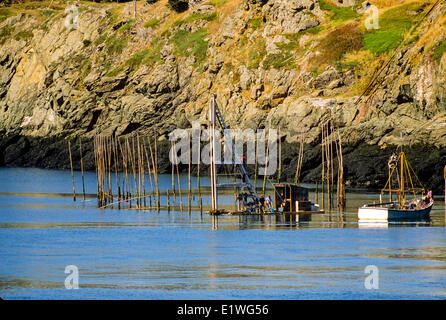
(214, 117)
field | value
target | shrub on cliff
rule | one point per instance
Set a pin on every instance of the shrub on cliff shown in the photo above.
(179, 5)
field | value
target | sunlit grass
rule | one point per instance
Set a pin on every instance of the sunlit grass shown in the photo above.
(338, 14)
(197, 16)
(438, 50)
(151, 23)
(187, 43)
(393, 24)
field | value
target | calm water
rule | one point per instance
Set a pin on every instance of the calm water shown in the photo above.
(126, 254)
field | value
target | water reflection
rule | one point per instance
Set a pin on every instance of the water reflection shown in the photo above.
(160, 254)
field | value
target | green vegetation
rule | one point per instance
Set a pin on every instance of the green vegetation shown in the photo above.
(393, 24)
(5, 13)
(382, 41)
(102, 37)
(338, 14)
(115, 45)
(187, 44)
(279, 60)
(255, 23)
(343, 65)
(313, 30)
(85, 67)
(24, 35)
(148, 56)
(86, 42)
(286, 57)
(127, 26)
(438, 50)
(218, 3)
(243, 41)
(115, 72)
(113, 15)
(166, 33)
(152, 23)
(197, 16)
(256, 54)
(5, 32)
(46, 13)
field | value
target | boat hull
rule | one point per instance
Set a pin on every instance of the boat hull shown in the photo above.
(390, 214)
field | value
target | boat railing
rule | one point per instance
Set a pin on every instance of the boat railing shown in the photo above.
(381, 204)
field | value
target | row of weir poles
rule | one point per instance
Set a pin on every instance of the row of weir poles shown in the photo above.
(133, 158)
(122, 165)
(331, 138)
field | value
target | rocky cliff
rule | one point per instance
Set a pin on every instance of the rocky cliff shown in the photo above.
(291, 64)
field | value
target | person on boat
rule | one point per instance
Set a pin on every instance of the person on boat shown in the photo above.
(429, 196)
(268, 201)
(393, 161)
(269, 204)
(262, 203)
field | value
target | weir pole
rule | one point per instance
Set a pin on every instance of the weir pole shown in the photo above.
(212, 154)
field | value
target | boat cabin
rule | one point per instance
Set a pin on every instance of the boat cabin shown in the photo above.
(290, 198)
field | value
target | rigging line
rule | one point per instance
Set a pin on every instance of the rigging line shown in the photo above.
(410, 166)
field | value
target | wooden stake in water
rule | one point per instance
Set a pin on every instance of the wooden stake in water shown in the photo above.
(96, 164)
(110, 189)
(155, 167)
(266, 163)
(332, 160)
(316, 196)
(327, 156)
(323, 165)
(198, 168)
(125, 191)
(189, 167)
(82, 167)
(342, 200)
(212, 145)
(150, 175)
(280, 159)
(173, 170)
(72, 174)
(299, 159)
(256, 164)
(178, 174)
(116, 162)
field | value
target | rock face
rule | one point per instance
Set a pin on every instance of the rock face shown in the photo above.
(113, 75)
